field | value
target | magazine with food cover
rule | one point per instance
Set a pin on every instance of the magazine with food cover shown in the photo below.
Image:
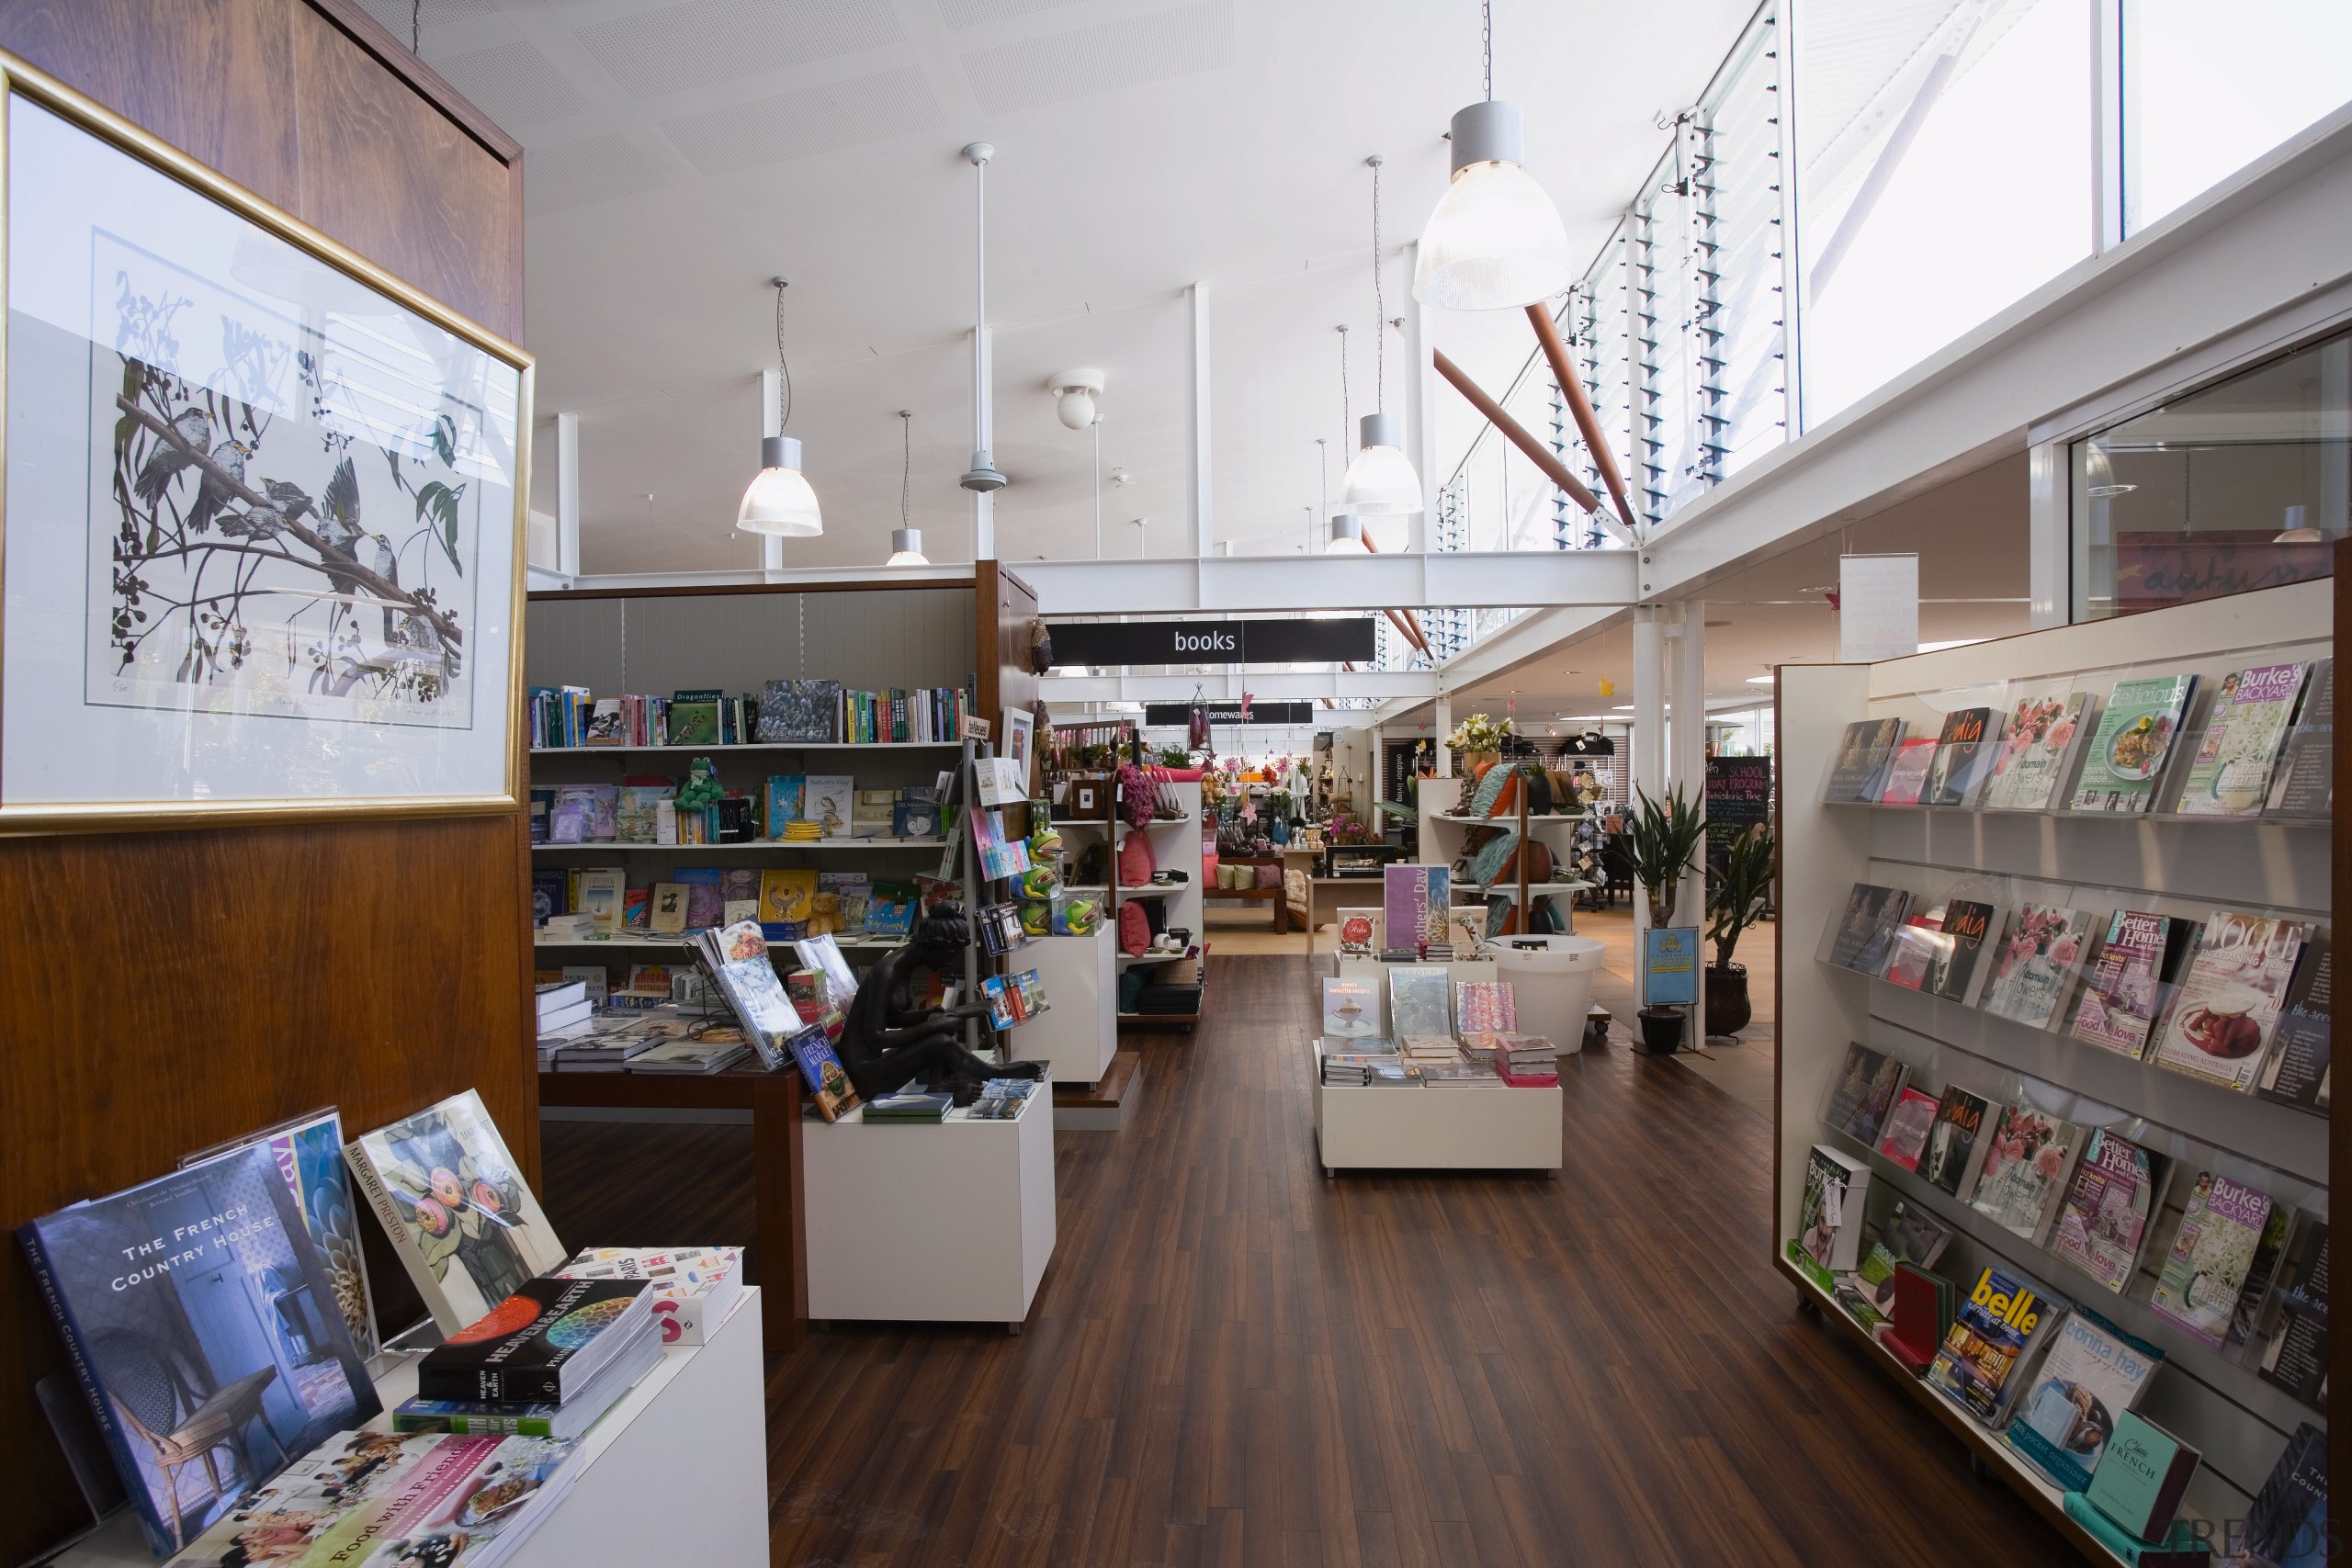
(460, 1214)
(2039, 741)
(2230, 999)
(2025, 1170)
(2093, 1373)
(2037, 964)
(2133, 740)
(2221, 1226)
(2123, 988)
(2103, 1221)
(2229, 775)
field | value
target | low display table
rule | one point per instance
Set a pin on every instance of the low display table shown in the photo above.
(944, 1223)
(1433, 1129)
(686, 1449)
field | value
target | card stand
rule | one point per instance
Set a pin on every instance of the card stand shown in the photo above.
(2041, 983)
(2202, 1379)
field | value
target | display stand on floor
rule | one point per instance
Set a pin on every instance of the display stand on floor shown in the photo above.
(689, 1442)
(1175, 847)
(1433, 1129)
(2185, 866)
(952, 1223)
(1444, 842)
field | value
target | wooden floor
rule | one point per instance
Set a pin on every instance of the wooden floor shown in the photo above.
(1234, 1359)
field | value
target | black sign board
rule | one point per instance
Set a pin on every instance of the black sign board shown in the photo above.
(1739, 795)
(1169, 715)
(1290, 641)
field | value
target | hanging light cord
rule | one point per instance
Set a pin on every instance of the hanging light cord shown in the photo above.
(1487, 43)
(782, 365)
(1379, 302)
(416, 27)
(1347, 413)
(906, 459)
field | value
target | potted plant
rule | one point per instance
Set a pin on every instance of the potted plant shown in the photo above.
(1737, 896)
(1477, 740)
(1663, 843)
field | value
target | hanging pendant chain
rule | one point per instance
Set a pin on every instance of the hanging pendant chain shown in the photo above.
(1347, 413)
(1487, 43)
(782, 365)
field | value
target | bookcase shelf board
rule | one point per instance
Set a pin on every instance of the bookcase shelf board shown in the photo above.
(748, 745)
(757, 846)
(2185, 868)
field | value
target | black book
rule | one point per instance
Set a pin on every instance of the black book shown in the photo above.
(2297, 1359)
(539, 1345)
(1951, 1141)
(2304, 785)
(2297, 1071)
(1862, 757)
(2287, 1520)
(1866, 936)
(1954, 969)
(1964, 756)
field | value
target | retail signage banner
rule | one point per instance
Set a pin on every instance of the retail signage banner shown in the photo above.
(1739, 795)
(1163, 716)
(1878, 607)
(1670, 967)
(1288, 641)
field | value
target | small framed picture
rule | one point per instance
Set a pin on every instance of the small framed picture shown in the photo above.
(1020, 726)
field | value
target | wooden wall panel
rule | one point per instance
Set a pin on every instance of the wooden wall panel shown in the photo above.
(169, 990)
(654, 643)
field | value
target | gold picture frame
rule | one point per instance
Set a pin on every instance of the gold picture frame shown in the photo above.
(342, 715)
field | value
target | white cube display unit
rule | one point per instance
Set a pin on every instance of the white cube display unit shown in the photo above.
(1079, 1032)
(1434, 1129)
(2091, 865)
(689, 1442)
(945, 1222)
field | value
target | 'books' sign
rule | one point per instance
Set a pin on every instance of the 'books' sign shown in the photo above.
(1286, 641)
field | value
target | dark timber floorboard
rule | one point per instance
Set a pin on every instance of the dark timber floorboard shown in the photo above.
(1234, 1360)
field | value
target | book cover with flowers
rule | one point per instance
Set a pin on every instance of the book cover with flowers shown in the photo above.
(2037, 742)
(2025, 1170)
(2037, 963)
(460, 1214)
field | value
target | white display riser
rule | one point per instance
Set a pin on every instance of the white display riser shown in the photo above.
(1079, 1032)
(952, 1223)
(1435, 1129)
(1377, 972)
(689, 1442)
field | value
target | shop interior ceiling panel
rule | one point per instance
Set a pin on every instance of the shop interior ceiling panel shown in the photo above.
(822, 119)
(1154, 47)
(663, 48)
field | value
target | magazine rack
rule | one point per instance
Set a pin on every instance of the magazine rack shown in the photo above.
(2189, 866)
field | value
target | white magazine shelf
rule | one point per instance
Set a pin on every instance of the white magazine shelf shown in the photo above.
(2035, 1019)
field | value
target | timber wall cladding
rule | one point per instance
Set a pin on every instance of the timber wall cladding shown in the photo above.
(169, 990)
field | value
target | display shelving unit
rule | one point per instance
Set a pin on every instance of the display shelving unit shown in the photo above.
(2179, 865)
(1175, 846)
(1444, 837)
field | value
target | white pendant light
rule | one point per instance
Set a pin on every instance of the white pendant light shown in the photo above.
(1380, 482)
(906, 543)
(1347, 535)
(778, 500)
(1495, 241)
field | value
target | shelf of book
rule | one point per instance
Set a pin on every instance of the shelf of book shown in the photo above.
(622, 846)
(733, 747)
(2007, 1027)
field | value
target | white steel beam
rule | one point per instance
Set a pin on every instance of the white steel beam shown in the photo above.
(1265, 685)
(1466, 581)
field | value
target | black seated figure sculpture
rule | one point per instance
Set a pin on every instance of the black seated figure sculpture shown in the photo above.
(888, 1041)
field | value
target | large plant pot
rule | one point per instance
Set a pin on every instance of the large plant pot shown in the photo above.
(1470, 761)
(1728, 1012)
(1661, 1031)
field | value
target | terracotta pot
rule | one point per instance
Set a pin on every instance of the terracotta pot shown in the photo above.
(1728, 1011)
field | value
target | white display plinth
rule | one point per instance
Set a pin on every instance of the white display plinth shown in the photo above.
(1079, 1032)
(945, 1222)
(1435, 1129)
(688, 1442)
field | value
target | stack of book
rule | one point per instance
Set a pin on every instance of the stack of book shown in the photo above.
(1000, 1099)
(564, 1014)
(693, 1288)
(712, 1053)
(1353, 1069)
(1526, 1061)
(909, 1105)
(545, 1362)
(1457, 1074)
(1429, 1049)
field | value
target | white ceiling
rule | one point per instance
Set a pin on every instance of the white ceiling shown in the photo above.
(680, 155)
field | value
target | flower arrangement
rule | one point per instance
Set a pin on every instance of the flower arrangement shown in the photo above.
(1479, 733)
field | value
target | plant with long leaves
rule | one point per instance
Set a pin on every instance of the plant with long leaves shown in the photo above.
(1664, 845)
(1739, 889)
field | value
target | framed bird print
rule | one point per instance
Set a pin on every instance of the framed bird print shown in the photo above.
(263, 504)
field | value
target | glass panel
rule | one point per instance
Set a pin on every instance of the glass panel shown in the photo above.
(1744, 406)
(2208, 88)
(2238, 486)
(1671, 467)
(1944, 172)
(1596, 329)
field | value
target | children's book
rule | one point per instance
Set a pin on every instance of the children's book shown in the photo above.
(2093, 1373)
(1994, 1331)
(1904, 1136)
(168, 1295)
(2304, 785)
(2132, 744)
(2230, 1001)
(461, 1218)
(2219, 1229)
(667, 914)
(828, 802)
(705, 897)
(1956, 1143)
(2039, 738)
(788, 896)
(599, 897)
(1965, 753)
(2103, 1221)
(1906, 772)
(890, 910)
(2037, 964)
(2026, 1166)
(2229, 774)
(2122, 990)
(780, 803)
(1351, 1008)
(693, 718)
(2296, 1070)
(1862, 757)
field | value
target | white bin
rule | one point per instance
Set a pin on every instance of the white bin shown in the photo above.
(1551, 977)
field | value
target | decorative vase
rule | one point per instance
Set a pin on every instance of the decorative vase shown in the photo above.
(1661, 1031)
(1728, 1012)
(1280, 832)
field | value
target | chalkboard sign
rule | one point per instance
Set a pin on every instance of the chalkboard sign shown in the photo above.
(1739, 797)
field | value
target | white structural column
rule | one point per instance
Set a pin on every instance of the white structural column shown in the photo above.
(983, 501)
(1197, 422)
(771, 423)
(567, 494)
(1444, 754)
(2049, 546)
(1421, 398)
(1648, 740)
(1689, 775)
